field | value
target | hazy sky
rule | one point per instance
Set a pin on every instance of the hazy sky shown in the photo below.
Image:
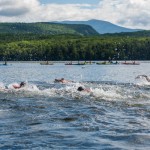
(70, 1)
(127, 13)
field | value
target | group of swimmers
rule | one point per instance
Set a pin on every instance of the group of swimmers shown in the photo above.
(80, 88)
(62, 80)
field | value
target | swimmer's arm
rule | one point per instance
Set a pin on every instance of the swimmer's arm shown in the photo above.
(16, 86)
(148, 79)
(88, 90)
(145, 76)
(141, 76)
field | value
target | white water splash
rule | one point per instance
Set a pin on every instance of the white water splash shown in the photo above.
(109, 94)
(141, 81)
(2, 86)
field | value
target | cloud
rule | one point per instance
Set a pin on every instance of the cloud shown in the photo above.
(128, 13)
(13, 12)
(14, 8)
(6, 2)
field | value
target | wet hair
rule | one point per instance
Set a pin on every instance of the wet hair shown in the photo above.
(59, 80)
(80, 88)
(22, 84)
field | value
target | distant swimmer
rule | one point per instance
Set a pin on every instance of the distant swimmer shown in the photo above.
(18, 86)
(145, 76)
(62, 80)
(81, 89)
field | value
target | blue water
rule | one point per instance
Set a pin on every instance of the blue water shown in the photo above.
(47, 115)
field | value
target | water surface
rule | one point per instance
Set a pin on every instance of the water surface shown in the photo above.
(48, 115)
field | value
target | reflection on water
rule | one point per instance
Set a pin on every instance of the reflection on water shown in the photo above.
(44, 114)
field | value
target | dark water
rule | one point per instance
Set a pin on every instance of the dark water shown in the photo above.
(47, 115)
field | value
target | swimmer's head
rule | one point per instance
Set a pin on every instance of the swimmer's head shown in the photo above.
(22, 84)
(80, 88)
(58, 80)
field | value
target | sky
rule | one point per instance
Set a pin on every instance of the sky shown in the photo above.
(127, 13)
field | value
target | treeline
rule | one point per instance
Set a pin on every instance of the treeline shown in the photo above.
(35, 47)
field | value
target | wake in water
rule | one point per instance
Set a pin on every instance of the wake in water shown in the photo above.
(97, 90)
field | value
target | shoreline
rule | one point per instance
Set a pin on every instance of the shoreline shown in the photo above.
(120, 61)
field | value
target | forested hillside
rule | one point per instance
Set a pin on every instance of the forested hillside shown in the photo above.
(46, 28)
(129, 46)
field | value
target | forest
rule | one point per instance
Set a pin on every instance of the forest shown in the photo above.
(61, 47)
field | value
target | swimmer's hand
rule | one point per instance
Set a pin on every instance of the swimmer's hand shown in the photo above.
(139, 76)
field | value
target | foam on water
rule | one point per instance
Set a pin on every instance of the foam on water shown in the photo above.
(111, 92)
(2, 86)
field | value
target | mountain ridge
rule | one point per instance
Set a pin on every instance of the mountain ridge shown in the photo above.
(102, 27)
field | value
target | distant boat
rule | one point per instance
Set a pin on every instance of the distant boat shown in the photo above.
(75, 64)
(4, 64)
(89, 62)
(46, 63)
(107, 63)
(70, 63)
(130, 63)
(80, 64)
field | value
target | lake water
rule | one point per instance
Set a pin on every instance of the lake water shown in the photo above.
(47, 115)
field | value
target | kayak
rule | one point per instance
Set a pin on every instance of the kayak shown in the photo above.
(46, 63)
(75, 64)
(106, 63)
(130, 63)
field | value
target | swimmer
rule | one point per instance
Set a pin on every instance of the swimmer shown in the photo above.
(62, 80)
(145, 76)
(18, 86)
(80, 89)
